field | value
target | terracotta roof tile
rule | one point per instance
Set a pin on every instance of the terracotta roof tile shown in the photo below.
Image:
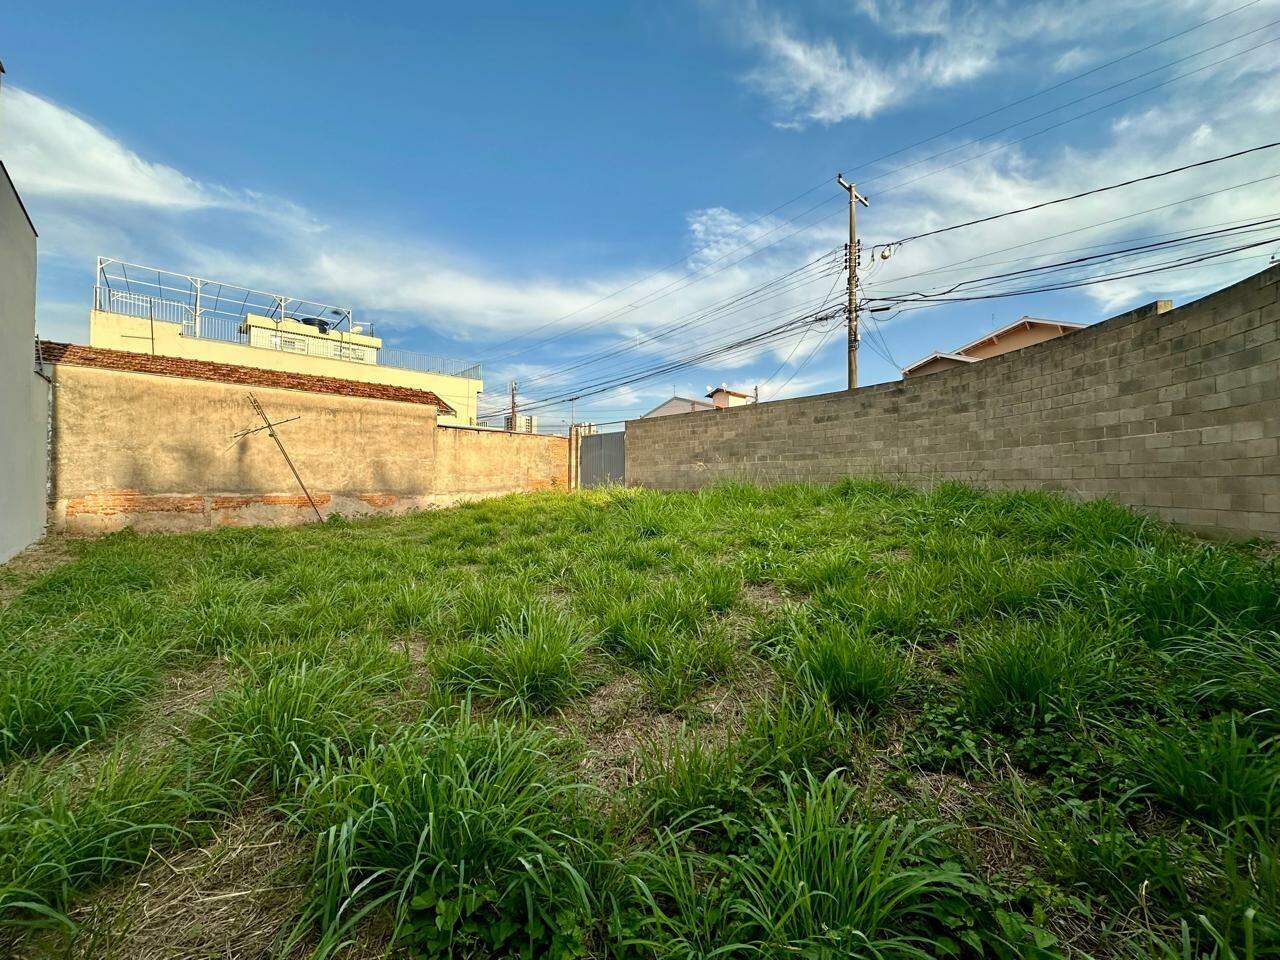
(82, 356)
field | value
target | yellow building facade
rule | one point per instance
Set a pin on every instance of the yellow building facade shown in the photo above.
(271, 344)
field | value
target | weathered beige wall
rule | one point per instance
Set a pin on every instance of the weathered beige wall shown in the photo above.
(157, 453)
(1177, 414)
(475, 462)
(116, 331)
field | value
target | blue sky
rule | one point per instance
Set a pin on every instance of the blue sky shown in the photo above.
(463, 175)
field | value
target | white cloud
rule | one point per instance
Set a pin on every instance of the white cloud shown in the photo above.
(109, 199)
(896, 52)
(92, 194)
(1072, 60)
(52, 152)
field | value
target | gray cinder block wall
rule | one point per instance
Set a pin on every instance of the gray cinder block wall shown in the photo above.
(1176, 413)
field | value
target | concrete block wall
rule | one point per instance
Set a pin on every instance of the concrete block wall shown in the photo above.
(158, 453)
(1175, 413)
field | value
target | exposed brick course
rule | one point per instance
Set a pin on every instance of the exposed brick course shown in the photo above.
(1176, 413)
(81, 356)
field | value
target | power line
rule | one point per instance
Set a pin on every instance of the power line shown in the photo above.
(1252, 226)
(783, 329)
(1068, 80)
(757, 321)
(1087, 96)
(670, 366)
(1084, 193)
(717, 337)
(1193, 260)
(711, 311)
(1091, 226)
(864, 164)
(812, 353)
(796, 345)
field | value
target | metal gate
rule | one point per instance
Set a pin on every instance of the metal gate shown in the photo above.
(603, 458)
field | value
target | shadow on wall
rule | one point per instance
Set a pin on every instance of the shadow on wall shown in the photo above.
(158, 453)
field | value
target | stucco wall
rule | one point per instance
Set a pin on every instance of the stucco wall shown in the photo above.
(1175, 413)
(23, 395)
(115, 331)
(158, 453)
(475, 462)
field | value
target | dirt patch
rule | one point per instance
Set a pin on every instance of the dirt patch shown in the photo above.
(235, 896)
(38, 559)
(616, 723)
(764, 595)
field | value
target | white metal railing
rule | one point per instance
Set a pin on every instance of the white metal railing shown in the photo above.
(139, 305)
(212, 310)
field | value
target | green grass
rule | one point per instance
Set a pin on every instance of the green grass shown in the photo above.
(536, 661)
(798, 721)
(857, 671)
(821, 876)
(467, 831)
(1212, 771)
(1024, 671)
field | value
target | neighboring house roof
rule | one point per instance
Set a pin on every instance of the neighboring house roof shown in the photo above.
(939, 355)
(77, 355)
(1018, 325)
(692, 405)
(961, 354)
(732, 393)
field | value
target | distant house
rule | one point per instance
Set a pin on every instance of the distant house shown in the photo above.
(678, 405)
(1021, 333)
(717, 398)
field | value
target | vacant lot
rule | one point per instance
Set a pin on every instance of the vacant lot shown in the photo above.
(798, 722)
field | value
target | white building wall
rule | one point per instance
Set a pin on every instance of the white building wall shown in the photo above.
(24, 399)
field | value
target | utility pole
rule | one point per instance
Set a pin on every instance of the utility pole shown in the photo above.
(270, 427)
(512, 425)
(851, 258)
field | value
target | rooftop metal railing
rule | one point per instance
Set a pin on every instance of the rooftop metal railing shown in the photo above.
(212, 310)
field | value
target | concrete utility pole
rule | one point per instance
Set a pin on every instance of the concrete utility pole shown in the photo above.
(512, 425)
(851, 255)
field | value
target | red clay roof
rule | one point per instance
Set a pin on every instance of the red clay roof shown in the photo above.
(77, 355)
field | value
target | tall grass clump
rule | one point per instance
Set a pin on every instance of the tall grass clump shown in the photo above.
(1091, 847)
(292, 711)
(1213, 771)
(857, 671)
(1178, 589)
(536, 662)
(692, 783)
(62, 836)
(466, 831)
(1234, 670)
(677, 664)
(59, 693)
(219, 615)
(794, 732)
(820, 878)
(628, 624)
(1029, 671)
(482, 605)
